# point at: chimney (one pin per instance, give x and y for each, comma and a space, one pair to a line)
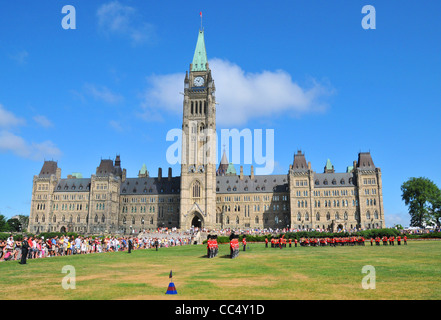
241, 173
159, 174
169, 173
309, 165
252, 172
124, 173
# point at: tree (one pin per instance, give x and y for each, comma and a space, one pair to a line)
14, 225
424, 200
3, 224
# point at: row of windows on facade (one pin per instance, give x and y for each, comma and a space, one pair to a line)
143, 209
336, 216
162, 190
151, 200
96, 219
334, 181
236, 208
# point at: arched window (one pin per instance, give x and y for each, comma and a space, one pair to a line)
103, 219
54, 219
345, 215
43, 219
368, 215
299, 216
237, 220
256, 220
78, 218
376, 214
96, 218
36, 218
317, 216
196, 189
328, 216
307, 216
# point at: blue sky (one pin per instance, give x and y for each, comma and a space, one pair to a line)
77, 96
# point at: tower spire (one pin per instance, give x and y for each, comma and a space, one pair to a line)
200, 54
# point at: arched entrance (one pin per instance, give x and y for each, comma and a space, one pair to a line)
63, 230
196, 222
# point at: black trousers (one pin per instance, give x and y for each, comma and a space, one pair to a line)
24, 255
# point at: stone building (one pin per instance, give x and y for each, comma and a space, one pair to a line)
203, 196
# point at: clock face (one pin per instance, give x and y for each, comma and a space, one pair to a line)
198, 81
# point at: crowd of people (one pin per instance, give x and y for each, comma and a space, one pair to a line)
39, 247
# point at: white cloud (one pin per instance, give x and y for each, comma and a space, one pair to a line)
103, 93
115, 18
10, 142
241, 96
43, 121
8, 119
20, 57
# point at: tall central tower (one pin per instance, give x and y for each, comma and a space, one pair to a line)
198, 167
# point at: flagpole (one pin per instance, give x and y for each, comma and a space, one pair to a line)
201, 19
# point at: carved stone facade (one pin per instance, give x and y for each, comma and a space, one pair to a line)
109, 202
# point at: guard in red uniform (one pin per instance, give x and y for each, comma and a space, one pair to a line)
244, 243
266, 242
405, 240
399, 240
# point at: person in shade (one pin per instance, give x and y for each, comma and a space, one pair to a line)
130, 245
24, 250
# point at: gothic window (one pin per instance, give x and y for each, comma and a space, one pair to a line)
96, 218
133, 220
328, 216
103, 218
317, 216
227, 220
191, 107
43, 219
368, 215
299, 217
36, 218
307, 216
54, 219
78, 218
376, 214
345, 216
196, 189
337, 216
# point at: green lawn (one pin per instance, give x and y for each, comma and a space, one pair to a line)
402, 272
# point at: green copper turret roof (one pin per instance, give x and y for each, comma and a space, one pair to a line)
328, 165
200, 54
231, 169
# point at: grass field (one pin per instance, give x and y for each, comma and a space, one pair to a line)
402, 272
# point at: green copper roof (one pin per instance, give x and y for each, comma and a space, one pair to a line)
328, 165
77, 175
231, 169
349, 169
143, 169
200, 54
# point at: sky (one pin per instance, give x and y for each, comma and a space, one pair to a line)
307, 70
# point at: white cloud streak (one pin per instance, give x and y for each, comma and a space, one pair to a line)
115, 18
242, 96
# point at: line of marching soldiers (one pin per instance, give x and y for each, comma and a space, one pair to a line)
282, 242
212, 246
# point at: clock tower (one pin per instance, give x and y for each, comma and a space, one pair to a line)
198, 157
